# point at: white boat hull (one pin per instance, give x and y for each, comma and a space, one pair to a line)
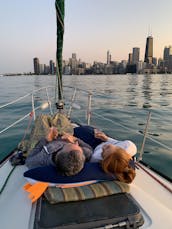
17, 212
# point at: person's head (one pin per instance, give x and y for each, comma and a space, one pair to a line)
116, 161
70, 160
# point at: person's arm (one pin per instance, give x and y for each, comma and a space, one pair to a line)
87, 149
33, 158
105, 138
100, 135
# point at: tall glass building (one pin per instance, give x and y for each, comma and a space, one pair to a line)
36, 66
149, 50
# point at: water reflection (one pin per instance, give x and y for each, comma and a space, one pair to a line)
164, 91
37, 82
147, 90
132, 91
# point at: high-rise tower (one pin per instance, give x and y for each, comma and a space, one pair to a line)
167, 57
149, 50
130, 58
136, 55
36, 66
167, 53
108, 57
52, 67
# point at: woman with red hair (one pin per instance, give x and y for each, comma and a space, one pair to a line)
118, 163
116, 157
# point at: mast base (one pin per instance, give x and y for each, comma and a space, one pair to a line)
60, 105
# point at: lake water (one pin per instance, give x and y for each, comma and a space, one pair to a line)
120, 106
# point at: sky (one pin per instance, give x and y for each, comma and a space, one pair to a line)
92, 27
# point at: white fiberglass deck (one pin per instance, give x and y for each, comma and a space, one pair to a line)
16, 210
154, 199
15, 207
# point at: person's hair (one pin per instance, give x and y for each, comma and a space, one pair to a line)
117, 164
70, 163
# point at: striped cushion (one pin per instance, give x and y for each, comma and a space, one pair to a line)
56, 195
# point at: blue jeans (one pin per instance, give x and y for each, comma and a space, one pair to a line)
86, 133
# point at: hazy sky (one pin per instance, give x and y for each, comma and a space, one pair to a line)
28, 30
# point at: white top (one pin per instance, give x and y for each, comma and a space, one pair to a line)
127, 145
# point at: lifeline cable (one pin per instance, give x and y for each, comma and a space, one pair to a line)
4, 185
161, 183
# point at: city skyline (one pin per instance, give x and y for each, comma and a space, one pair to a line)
75, 66
91, 28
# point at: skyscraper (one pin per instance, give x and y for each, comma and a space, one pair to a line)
167, 53
73, 63
36, 66
130, 58
108, 57
149, 50
136, 55
52, 67
167, 57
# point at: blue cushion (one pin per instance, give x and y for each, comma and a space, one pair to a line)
91, 171
86, 133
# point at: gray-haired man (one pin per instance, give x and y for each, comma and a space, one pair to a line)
66, 152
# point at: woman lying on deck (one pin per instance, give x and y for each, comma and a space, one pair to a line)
115, 156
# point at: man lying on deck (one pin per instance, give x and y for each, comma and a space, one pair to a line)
66, 152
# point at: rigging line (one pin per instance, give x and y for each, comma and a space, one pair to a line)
56, 89
114, 122
18, 121
59, 81
28, 126
150, 174
14, 101
20, 98
153, 140
58, 14
78, 89
14, 123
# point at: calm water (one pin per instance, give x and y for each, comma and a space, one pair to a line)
130, 98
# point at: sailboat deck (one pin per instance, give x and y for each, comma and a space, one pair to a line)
17, 211
153, 199
15, 207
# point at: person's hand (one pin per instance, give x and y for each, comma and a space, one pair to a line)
100, 135
52, 134
69, 138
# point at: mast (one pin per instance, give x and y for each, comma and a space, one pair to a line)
59, 4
